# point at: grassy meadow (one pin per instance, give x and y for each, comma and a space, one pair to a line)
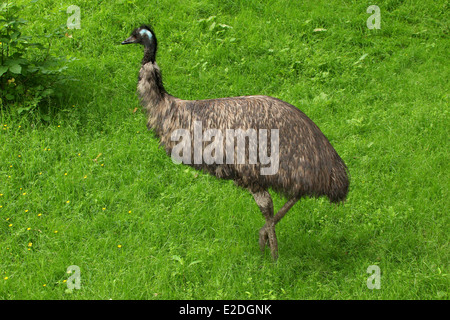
92, 188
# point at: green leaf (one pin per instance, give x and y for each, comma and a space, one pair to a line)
15, 35
21, 110
15, 61
16, 68
47, 92
3, 69
178, 258
195, 262
45, 117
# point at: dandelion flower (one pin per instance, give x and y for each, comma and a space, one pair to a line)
40, 214
30, 244
56, 231
10, 225
28, 229
119, 246
68, 201
5, 278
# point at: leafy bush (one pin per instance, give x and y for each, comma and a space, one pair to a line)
28, 72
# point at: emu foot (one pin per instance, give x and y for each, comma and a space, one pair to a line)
267, 236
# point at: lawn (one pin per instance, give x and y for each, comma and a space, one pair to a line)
91, 187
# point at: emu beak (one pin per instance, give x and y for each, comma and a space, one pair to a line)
129, 40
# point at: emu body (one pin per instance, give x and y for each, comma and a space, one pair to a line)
308, 164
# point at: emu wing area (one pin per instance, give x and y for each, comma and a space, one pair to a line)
308, 164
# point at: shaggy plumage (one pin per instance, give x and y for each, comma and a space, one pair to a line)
308, 164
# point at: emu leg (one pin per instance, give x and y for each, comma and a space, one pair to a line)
263, 238
287, 206
267, 232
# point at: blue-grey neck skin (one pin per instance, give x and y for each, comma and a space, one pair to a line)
146, 32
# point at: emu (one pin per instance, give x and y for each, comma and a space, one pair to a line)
308, 165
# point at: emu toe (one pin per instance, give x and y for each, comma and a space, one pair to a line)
267, 236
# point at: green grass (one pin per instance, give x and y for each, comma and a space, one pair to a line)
380, 96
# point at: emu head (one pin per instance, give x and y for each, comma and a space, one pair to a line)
145, 36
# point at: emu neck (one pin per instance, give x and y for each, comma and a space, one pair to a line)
150, 86
149, 54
